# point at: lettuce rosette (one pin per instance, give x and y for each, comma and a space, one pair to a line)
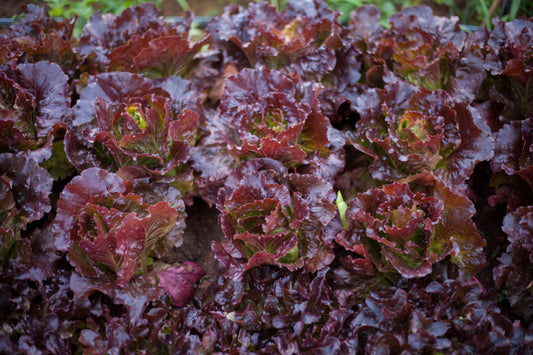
38, 37
34, 106
122, 120
139, 40
265, 114
300, 39
408, 130
407, 227
110, 232
272, 216
432, 52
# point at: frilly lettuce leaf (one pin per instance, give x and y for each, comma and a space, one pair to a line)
35, 105
104, 33
39, 37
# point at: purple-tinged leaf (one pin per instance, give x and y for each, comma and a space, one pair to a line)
291, 41
513, 272
157, 57
180, 281
122, 120
264, 113
514, 148
38, 37
103, 33
30, 185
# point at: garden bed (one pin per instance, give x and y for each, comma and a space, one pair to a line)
278, 182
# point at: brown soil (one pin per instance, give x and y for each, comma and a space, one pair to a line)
201, 230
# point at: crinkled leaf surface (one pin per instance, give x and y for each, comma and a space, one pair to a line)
39, 37
30, 185
156, 57
103, 33
273, 217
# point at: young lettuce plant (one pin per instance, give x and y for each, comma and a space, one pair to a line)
122, 120
139, 41
300, 39
34, 106
108, 231
38, 37
34, 112
408, 130
264, 113
407, 227
431, 52
122, 39
272, 216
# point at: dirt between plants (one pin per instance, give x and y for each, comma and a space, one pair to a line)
201, 230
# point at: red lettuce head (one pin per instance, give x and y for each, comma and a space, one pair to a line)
109, 231
407, 227
431, 52
300, 39
121, 114
270, 216
157, 54
267, 114
407, 130
111, 42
